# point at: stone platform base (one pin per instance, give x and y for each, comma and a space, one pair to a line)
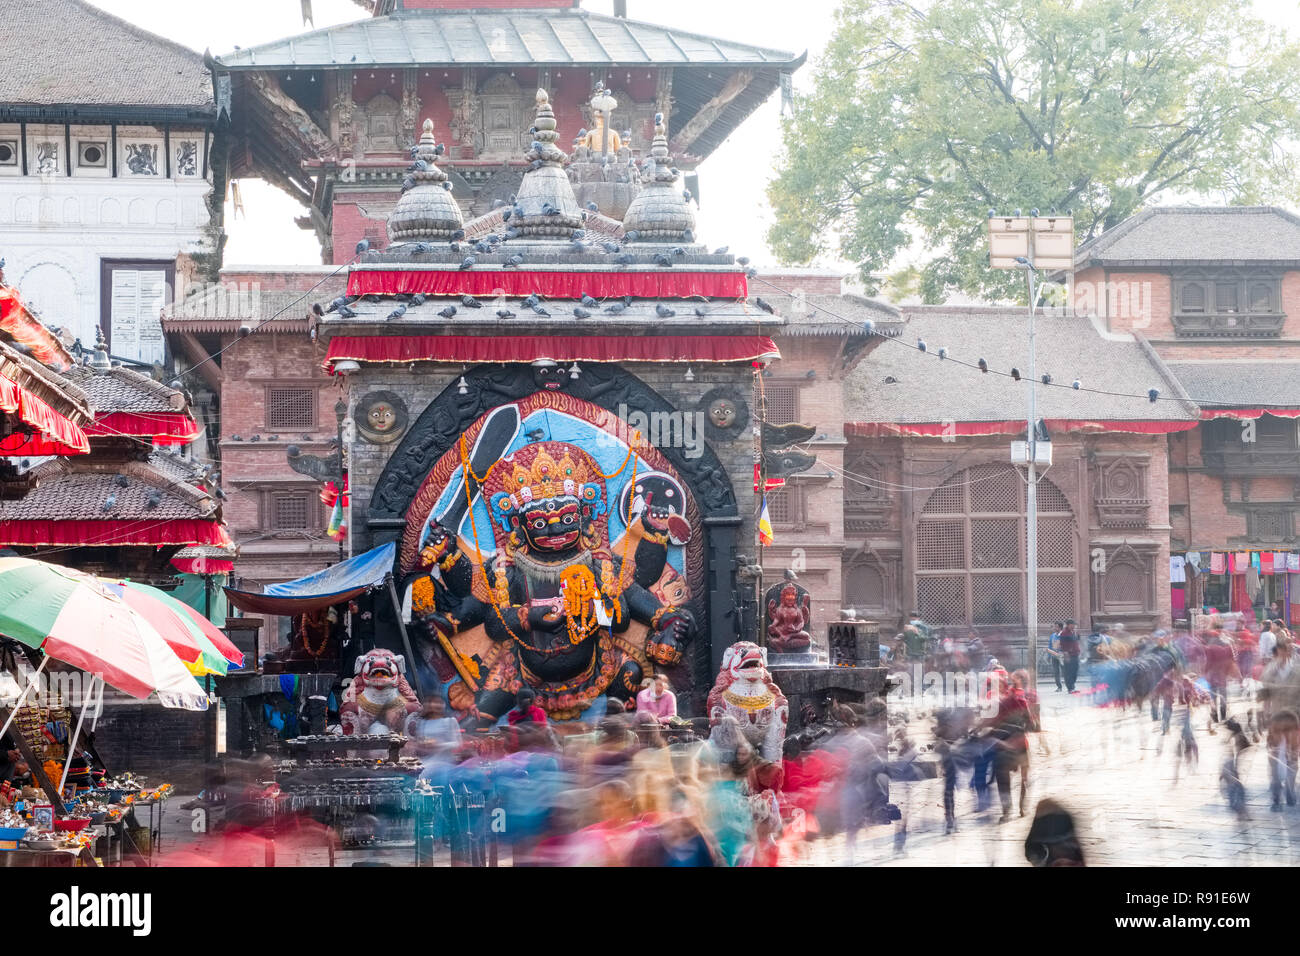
813, 685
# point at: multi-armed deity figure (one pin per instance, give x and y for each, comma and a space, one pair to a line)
558, 605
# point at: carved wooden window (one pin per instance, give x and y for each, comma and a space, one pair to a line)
1225, 297
290, 511
781, 506
864, 587
291, 408
1261, 297
782, 402
1123, 587
970, 550
1228, 303
1270, 524
1275, 433
1126, 582
1120, 493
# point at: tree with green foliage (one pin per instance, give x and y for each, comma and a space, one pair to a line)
924, 119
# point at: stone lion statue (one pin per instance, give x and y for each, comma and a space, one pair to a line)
745, 692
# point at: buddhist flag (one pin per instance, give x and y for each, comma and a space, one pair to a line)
337, 529
765, 535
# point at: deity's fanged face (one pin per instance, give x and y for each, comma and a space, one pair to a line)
551, 378
552, 524
788, 596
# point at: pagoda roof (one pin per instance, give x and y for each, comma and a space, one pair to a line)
101, 501
509, 38
1174, 236
71, 54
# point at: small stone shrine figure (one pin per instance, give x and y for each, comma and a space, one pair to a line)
789, 618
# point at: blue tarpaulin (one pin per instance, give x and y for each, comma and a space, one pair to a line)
342, 582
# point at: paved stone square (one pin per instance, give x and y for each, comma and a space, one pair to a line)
1120, 778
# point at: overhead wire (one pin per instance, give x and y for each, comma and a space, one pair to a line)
948, 357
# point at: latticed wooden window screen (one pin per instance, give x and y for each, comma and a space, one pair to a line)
995, 599
1055, 597
974, 525
291, 408
291, 512
941, 545
941, 600
782, 402
1124, 587
780, 506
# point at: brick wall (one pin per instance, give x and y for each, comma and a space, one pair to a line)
165, 745
1128, 301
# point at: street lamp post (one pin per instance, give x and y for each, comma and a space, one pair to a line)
1031, 489
340, 413
1030, 242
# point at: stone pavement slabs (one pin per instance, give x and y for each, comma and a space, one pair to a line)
1135, 802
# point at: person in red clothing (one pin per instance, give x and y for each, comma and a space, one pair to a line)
1220, 667
526, 711
1011, 727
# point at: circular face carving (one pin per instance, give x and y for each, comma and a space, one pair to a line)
726, 414
381, 417
722, 412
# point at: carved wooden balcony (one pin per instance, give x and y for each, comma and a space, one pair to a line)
1251, 462
1229, 325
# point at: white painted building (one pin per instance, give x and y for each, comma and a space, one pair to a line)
105, 171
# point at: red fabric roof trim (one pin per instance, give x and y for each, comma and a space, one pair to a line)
1208, 414
203, 565
664, 284
527, 348
1009, 427
104, 533
165, 428
23, 327
56, 434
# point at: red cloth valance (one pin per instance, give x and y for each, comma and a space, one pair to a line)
1010, 427
203, 565
102, 533
55, 434
663, 284
472, 349
23, 328
164, 428
1208, 414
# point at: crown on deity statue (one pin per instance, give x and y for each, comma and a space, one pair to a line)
535, 473
547, 478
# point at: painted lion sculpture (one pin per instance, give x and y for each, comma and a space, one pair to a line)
379, 693
745, 692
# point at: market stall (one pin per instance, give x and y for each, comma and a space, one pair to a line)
77, 635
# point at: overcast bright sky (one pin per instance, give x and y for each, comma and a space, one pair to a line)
732, 181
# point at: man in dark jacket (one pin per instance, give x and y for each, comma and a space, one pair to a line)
1068, 643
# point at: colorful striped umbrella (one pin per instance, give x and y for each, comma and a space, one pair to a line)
224, 645
74, 618
177, 628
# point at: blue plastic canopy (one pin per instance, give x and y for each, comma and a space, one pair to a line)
334, 585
